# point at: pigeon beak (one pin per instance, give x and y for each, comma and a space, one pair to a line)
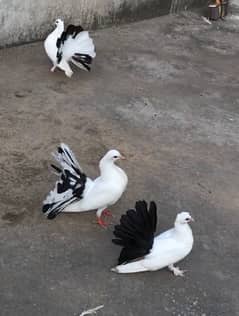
192, 219
122, 157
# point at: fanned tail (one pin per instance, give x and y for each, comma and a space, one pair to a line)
85, 53
77, 47
135, 233
85, 44
69, 187
66, 159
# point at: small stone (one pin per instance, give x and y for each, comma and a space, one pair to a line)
20, 94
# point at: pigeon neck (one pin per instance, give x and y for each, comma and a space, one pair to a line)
105, 166
182, 229
59, 29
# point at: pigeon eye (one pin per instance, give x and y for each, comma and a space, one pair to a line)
115, 157
187, 219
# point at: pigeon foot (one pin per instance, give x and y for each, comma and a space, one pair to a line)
101, 223
53, 68
107, 213
176, 271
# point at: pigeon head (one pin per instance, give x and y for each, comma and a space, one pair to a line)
112, 156
184, 218
59, 22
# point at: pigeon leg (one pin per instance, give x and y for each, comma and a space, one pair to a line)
176, 271
107, 213
101, 222
63, 65
53, 68
68, 73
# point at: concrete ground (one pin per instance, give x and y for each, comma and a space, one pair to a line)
164, 92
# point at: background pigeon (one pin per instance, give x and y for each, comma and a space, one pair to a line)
144, 252
75, 192
73, 45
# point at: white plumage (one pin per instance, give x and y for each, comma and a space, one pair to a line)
136, 231
73, 45
75, 192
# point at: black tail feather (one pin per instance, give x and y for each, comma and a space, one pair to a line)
83, 57
52, 215
153, 215
135, 233
85, 62
56, 168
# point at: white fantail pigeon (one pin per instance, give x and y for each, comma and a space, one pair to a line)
72, 45
75, 192
144, 252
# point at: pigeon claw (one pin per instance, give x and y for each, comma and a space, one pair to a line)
53, 68
176, 271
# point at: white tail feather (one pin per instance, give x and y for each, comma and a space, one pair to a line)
82, 44
63, 159
131, 267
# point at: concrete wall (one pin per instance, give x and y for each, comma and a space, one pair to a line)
28, 20
234, 6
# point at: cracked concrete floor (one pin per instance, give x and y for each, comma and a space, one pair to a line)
163, 91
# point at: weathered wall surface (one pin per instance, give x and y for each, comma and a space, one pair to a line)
27, 20
234, 6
